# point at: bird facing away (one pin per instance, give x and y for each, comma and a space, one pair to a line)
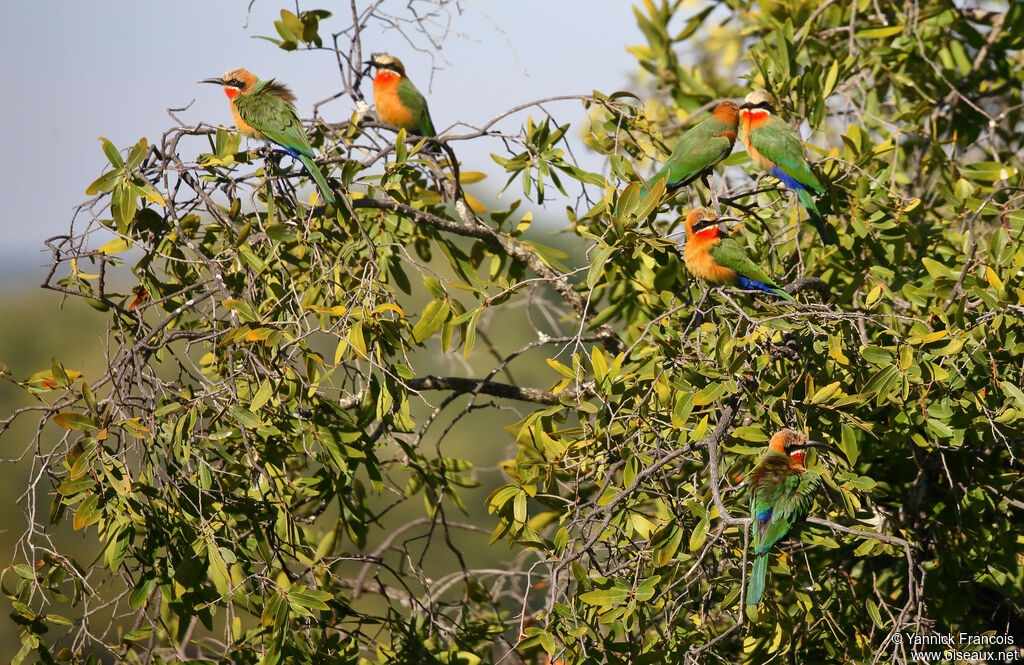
775, 147
397, 100
699, 150
718, 259
266, 109
780, 494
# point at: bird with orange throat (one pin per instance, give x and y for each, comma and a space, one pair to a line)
396, 99
781, 492
775, 147
265, 109
714, 257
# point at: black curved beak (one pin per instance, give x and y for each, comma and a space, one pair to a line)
218, 81
818, 444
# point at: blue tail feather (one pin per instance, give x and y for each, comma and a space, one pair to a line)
753, 284
805, 194
291, 151
788, 180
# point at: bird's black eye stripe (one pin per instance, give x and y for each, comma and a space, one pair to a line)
235, 83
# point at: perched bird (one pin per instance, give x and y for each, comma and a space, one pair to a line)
397, 100
775, 147
780, 494
698, 150
721, 260
266, 109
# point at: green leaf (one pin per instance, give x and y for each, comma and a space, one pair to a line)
104, 183
597, 265
137, 154
628, 199
873, 612
115, 246
830, 80
113, 156
880, 33
699, 535
989, 171
262, 395
244, 417
301, 598
218, 569
606, 597
826, 393
431, 320
137, 598
78, 421
89, 512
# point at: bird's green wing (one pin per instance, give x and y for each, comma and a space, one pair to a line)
689, 161
780, 143
413, 100
731, 254
791, 499
695, 152
275, 117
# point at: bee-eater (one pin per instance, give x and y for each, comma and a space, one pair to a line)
266, 109
718, 259
780, 494
698, 150
775, 147
397, 100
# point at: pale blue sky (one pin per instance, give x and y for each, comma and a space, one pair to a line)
75, 71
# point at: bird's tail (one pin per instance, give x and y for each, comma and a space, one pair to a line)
755, 585
825, 230
433, 148
747, 283
318, 177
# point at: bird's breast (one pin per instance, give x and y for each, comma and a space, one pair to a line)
389, 107
749, 121
698, 259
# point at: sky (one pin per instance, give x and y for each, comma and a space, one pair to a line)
75, 71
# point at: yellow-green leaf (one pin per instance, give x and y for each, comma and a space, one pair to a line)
115, 246
826, 393
77, 421
433, 317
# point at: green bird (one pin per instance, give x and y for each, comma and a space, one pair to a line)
721, 260
397, 100
698, 150
266, 110
781, 492
775, 147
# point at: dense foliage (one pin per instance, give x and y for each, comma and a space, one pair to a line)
274, 392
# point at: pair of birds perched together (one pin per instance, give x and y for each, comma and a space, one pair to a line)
265, 109
775, 147
780, 486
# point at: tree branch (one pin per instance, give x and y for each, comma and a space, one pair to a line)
458, 384
509, 246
